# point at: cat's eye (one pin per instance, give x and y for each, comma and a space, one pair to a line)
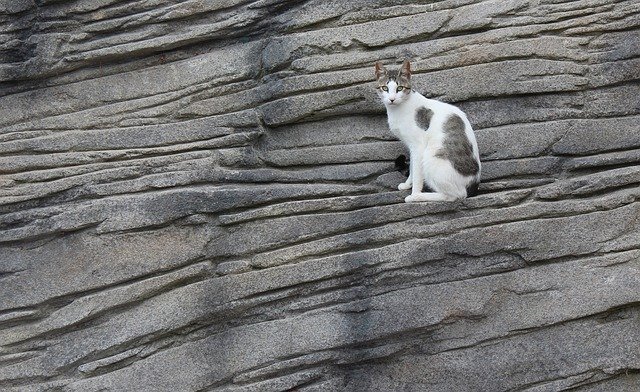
400, 88
384, 88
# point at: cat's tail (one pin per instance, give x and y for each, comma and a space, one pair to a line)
472, 189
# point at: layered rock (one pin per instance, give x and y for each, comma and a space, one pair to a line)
200, 196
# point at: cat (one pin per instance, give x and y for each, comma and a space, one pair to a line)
442, 146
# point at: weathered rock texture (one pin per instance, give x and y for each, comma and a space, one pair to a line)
199, 196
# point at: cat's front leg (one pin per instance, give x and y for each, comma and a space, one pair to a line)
416, 174
403, 186
401, 164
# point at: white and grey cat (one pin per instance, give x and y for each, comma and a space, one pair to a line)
442, 146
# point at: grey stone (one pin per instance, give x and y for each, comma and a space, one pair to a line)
202, 196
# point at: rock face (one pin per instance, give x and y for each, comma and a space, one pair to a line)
200, 196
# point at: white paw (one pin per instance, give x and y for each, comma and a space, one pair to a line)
404, 186
412, 199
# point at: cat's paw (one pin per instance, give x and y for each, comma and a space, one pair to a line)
412, 199
404, 186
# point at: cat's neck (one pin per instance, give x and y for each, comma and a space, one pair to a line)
414, 100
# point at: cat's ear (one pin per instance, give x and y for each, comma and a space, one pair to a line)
380, 70
405, 70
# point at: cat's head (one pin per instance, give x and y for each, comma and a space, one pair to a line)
394, 89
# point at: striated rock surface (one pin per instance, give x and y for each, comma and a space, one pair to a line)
200, 196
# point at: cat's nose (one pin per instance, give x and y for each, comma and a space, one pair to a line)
392, 99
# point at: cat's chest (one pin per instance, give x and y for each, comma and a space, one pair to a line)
405, 128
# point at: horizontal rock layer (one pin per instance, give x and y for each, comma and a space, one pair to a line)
200, 196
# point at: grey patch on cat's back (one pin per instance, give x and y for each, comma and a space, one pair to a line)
423, 117
457, 148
